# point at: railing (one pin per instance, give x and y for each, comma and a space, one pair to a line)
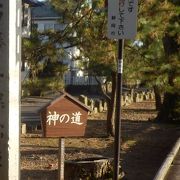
87, 80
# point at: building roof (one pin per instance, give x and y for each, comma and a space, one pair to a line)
62, 95
36, 104
33, 3
44, 11
31, 107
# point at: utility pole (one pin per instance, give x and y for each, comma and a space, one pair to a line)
10, 56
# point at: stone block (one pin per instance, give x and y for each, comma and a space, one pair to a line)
130, 99
151, 95
90, 168
83, 99
122, 101
98, 104
127, 99
23, 128
145, 97
95, 110
141, 97
136, 97
105, 106
91, 103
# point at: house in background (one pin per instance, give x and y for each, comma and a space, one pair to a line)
44, 17
26, 16
26, 29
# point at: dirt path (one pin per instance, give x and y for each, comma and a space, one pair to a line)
144, 145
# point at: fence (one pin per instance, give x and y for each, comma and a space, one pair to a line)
86, 80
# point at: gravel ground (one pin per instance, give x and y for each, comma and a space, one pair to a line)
144, 146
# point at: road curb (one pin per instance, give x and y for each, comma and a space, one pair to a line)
160, 175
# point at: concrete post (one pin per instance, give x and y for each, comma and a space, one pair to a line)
10, 53
23, 129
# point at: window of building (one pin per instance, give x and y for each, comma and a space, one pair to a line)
48, 26
57, 27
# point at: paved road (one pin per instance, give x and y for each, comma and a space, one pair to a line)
174, 171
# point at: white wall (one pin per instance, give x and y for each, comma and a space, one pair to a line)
74, 75
43, 24
26, 17
71, 53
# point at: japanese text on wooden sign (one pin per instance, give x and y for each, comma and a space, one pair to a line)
74, 118
122, 19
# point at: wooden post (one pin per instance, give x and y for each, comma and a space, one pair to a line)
61, 159
10, 55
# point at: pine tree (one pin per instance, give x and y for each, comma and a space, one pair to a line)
41, 58
160, 35
156, 63
97, 53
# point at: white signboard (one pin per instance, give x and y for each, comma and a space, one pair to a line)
122, 19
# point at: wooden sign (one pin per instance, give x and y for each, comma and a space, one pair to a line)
64, 117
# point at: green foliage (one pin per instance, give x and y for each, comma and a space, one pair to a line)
43, 59
160, 35
153, 25
53, 69
97, 53
38, 87
32, 87
156, 63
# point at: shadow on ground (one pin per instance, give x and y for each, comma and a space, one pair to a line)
39, 174
140, 159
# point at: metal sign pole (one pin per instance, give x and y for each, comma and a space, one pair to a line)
122, 17
61, 159
117, 142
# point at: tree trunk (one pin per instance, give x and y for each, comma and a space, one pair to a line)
90, 168
166, 112
171, 99
23, 64
158, 102
111, 108
110, 104
110, 128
